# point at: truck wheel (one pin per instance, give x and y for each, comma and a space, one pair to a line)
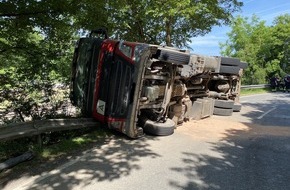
228, 104
243, 65
158, 128
230, 69
230, 61
173, 56
222, 111
237, 107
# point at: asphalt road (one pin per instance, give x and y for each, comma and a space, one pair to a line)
271, 109
250, 150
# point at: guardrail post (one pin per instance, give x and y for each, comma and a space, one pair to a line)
39, 141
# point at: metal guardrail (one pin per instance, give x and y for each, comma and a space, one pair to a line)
33, 128
256, 86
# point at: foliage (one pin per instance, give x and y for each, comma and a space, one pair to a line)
37, 37
35, 53
265, 48
169, 22
53, 144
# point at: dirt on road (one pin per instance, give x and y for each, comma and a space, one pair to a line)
220, 127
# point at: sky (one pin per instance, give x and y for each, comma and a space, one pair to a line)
265, 9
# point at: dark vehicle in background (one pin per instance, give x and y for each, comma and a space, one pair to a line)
135, 87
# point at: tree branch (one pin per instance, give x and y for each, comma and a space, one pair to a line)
14, 14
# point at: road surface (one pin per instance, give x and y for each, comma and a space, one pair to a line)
249, 150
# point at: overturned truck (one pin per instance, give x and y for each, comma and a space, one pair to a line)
135, 87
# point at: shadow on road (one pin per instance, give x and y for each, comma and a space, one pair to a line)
253, 157
249, 157
108, 160
244, 159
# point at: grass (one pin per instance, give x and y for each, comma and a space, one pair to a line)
54, 144
246, 92
56, 147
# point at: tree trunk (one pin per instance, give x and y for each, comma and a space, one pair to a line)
140, 31
168, 32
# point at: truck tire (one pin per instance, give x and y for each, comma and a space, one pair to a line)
237, 107
243, 65
158, 128
230, 61
227, 104
173, 56
229, 69
222, 111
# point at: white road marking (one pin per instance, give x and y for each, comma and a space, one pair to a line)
261, 116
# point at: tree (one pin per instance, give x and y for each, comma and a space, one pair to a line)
35, 51
37, 36
281, 39
55, 24
38, 31
263, 47
169, 21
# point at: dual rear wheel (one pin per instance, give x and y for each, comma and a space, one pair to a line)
226, 107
